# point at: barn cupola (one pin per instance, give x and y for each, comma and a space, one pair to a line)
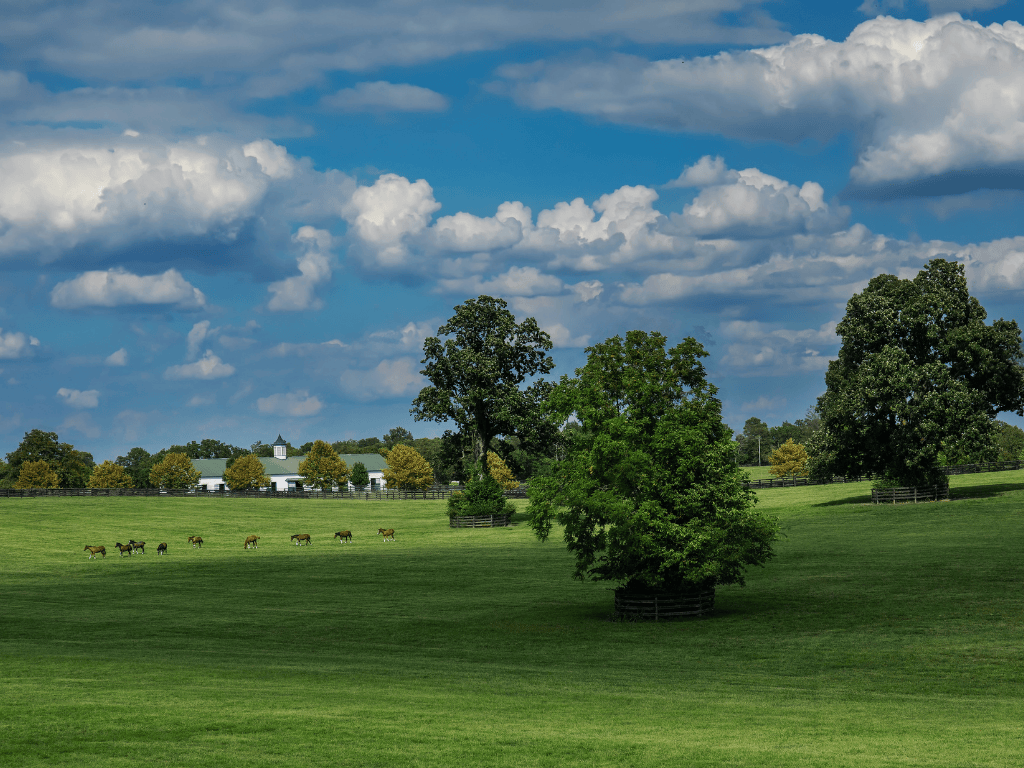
280, 448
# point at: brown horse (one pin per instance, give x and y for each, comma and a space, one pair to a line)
161, 548
386, 533
251, 541
196, 541
298, 538
124, 548
344, 536
137, 546
93, 551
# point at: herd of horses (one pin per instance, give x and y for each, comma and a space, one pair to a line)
251, 542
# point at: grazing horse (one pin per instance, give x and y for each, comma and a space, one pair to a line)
124, 548
386, 533
344, 536
302, 537
251, 541
196, 541
161, 548
93, 551
137, 546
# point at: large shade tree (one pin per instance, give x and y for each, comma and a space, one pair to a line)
919, 373
649, 493
478, 374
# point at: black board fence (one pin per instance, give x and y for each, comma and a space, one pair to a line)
437, 492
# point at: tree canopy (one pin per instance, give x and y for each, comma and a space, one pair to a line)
789, 460
72, 467
407, 470
175, 470
110, 475
477, 373
360, 478
649, 493
323, 468
245, 473
37, 474
919, 373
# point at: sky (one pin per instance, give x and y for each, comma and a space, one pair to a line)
241, 219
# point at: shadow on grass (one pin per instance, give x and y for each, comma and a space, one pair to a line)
858, 499
987, 491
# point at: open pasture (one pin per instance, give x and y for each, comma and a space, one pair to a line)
879, 636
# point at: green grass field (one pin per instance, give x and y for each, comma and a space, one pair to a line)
879, 636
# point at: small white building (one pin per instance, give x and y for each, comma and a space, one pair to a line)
284, 471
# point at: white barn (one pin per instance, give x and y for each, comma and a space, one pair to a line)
284, 471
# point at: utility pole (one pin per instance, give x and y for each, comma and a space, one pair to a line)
759, 450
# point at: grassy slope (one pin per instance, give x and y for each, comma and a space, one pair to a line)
878, 636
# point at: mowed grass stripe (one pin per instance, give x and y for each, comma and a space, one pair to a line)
878, 636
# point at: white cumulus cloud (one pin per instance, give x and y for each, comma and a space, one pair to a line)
297, 292
90, 398
208, 367
933, 102
117, 287
390, 378
16, 344
118, 358
388, 212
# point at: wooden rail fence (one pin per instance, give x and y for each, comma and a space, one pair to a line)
478, 521
663, 605
913, 494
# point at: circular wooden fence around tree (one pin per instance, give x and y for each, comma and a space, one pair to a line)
478, 521
658, 606
911, 494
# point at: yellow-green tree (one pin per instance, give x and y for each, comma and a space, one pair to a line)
246, 472
109, 475
407, 470
175, 471
788, 460
323, 468
37, 474
498, 469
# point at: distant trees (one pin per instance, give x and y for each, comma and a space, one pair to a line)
323, 468
750, 451
138, 464
37, 474
246, 472
407, 470
110, 475
1009, 442
72, 467
919, 373
175, 470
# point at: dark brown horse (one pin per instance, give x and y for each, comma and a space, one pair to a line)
137, 546
298, 538
344, 536
161, 548
124, 548
196, 541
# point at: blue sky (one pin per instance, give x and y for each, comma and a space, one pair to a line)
242, 219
